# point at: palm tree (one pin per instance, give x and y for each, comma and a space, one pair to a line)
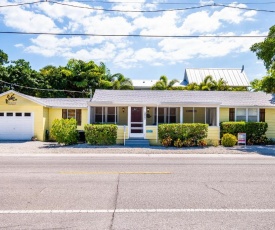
162, 83
122, 83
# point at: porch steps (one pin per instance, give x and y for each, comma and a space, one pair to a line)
135, 142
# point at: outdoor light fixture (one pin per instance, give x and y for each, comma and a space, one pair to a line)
148, 110
123, 109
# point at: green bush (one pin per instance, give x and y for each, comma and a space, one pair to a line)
229, 140
255, 131
105, 134
188, 133
178, 143
64, 131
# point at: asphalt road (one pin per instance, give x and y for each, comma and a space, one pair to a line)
138, 192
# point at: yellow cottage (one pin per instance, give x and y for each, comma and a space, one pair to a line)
136, 112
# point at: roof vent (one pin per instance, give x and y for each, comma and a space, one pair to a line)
242, 68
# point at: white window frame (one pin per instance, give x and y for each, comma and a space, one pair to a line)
246, 113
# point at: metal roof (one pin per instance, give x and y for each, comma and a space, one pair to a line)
143, 84
233, 77
183, 97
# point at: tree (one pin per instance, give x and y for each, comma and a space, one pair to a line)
163, 84
266, 50
122, 83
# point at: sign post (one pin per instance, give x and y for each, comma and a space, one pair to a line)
242, 138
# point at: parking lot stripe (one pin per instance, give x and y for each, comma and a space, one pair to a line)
102, 173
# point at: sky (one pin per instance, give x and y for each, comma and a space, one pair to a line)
144, 56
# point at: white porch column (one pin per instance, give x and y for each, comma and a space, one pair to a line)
89, 115
218, 116
181, 114
129, 121
144, 121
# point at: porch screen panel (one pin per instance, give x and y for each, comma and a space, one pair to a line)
92, 115
99, 115
188, 114
171, 115
161, 115
199, 115
111, 115
211, 116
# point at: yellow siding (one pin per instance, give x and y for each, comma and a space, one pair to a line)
120, 134
123, 116
151, 132
24, 105
224, 114
270, 119
55, 113
213, 133
45, 121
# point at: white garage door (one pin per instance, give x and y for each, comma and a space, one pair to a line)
16, 125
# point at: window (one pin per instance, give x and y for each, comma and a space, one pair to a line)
200, 115
27, 114
240, 114
172, 115
9, 114
253, 115
2, 114
105, 115
18, 114
72, 113
247, 114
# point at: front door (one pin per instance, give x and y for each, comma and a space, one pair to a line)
136, 122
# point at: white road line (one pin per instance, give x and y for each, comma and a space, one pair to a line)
135, 211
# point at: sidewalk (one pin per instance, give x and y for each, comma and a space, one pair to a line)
37, 147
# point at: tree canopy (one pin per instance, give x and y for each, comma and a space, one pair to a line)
266, 51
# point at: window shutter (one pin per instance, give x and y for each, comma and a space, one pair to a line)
64, 113
262, 115
78, 116
231, 114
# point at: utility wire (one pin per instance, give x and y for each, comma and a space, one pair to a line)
55, 90
134, 35
144, 11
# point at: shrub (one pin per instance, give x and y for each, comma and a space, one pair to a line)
255, 131
229, 140
167, 141
202, 143
178, 143
189, 133
64, 131
105, 134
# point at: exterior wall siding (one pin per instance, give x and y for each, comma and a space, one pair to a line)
213, 133
224, 114
120, 134
270, 119
56, 113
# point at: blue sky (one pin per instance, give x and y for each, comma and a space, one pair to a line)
137, 57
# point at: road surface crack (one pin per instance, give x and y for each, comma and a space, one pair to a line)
115, 203
207, 186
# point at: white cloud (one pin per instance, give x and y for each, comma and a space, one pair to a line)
27, 21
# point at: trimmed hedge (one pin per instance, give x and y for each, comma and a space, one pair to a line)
105, 134
255, 131
64, 131
187, 134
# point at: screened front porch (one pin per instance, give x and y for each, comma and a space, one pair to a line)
142, 121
